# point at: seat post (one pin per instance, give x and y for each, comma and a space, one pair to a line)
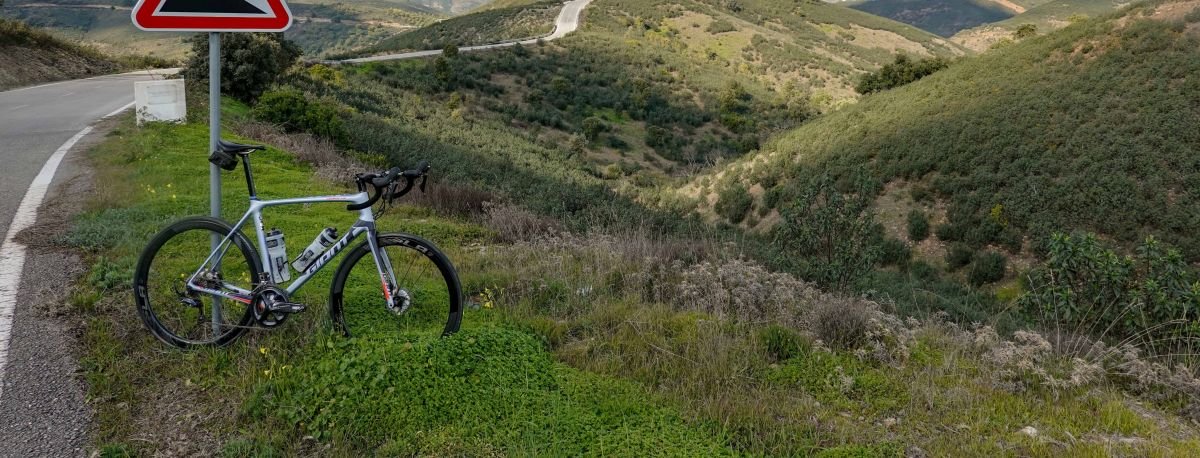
249, 176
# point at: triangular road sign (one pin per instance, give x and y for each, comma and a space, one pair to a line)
212, 15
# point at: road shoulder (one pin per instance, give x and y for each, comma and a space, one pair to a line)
44, 410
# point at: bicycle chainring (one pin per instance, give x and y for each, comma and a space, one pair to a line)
262, 300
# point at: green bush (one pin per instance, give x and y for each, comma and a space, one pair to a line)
1085, 284
720, 26
894, 252
918, 226
733, 203
958, 256
987, 268
250, 62
903, 71
828, 236
292, 110
782, 343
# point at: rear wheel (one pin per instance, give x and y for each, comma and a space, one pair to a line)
182, 317
427, 291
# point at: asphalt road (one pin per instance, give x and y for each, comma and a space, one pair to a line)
42, 408
567, 22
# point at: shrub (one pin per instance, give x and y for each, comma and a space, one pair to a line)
781, 343
593, 127
918, 226
294, 112
959, 255
720, 26
733, 203
828, 236
250, 62
841, 324
987, 268
1025, 31
903, 71
894, 252
1086, 284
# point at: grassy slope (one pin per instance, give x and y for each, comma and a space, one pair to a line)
489, 25
609, 374
788, 60
1087, 128
29, 56
1048, 17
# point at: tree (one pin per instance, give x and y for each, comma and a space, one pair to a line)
1025, 31
828, 236
450, 51
593, 127
250, 62
442, 71
898, 73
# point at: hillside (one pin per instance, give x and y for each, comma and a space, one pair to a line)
29, 56
1046, 17
1088, 128
321, 27
598, 343
518, 20
718, 82
943, 17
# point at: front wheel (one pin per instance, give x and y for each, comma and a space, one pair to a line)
427, 293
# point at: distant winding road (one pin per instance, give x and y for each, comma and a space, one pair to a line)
567, 22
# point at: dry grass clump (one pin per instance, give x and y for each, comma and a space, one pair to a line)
329, 162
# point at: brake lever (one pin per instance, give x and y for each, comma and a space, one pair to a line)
424, 178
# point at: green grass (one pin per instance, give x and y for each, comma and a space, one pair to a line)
567, 354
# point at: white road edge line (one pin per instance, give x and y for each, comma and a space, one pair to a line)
12, 254
119, 110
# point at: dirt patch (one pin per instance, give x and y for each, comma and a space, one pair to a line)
891, 210
23, 66
1015, 8
1174, 11
883, 39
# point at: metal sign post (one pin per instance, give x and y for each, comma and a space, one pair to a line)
213, 17
214, 136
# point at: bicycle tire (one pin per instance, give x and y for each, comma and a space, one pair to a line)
412, 245
144, 292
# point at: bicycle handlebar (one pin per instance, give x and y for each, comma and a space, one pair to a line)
381, 181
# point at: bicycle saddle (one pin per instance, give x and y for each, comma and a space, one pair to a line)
237, 148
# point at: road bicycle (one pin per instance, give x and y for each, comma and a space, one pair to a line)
191, 299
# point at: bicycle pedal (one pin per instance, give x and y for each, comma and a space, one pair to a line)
288, 307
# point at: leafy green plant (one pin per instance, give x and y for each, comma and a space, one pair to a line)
918, 226
250, 62
987, 268
1085, 284
829, 236
733, 203
295, 112
959, 256
903, 71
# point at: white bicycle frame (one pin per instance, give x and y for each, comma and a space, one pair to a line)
365, 224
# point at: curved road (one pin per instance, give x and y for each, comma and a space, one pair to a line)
567, 22
42, 128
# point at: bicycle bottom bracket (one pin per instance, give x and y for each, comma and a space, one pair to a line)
265, 301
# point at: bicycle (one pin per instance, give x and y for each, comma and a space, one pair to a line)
245, 292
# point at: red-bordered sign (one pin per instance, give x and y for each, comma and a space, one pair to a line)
212, 15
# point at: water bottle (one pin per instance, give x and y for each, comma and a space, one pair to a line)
324, 240
277, 254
